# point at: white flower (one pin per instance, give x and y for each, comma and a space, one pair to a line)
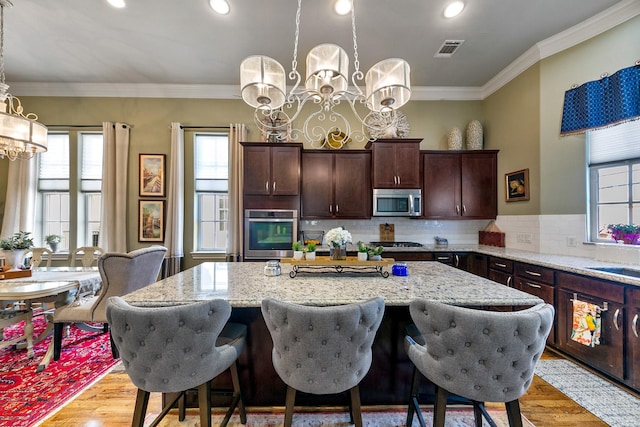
337, 236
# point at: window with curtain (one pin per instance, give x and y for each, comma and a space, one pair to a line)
614, 178
211, 204
69, 188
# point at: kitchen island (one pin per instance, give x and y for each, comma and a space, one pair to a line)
245, 286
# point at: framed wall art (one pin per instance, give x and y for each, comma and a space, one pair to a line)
151, 221
152, 167
517, 186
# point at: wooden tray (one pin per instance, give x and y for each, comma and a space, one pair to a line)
326, 261
324, 264
15, 274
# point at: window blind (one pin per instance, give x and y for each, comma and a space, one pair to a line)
91, 168
54, 164
614, 144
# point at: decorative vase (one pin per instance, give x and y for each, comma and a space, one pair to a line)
474, 135
310, 256
337, 252
454, 139
54, 247
297, 255
14, 258
375, 257
362, 256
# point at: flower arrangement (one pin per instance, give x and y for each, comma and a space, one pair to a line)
628, 233
19, 241
337, 237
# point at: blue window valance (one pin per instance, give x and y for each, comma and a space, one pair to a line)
597, 104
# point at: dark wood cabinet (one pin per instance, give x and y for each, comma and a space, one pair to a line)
271, 169
608, 356
538, 281
632, 324
501, 270
396, 163
336, 184
460, 185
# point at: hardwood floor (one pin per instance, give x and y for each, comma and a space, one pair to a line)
109, 403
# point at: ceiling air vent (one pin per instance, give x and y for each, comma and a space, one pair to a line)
448, 48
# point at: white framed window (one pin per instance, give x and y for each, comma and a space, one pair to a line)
211, 204
69, 188
614, 178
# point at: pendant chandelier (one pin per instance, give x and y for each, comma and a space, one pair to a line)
21, 136
263, 86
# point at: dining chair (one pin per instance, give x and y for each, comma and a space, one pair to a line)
121, 273
322, 350
481, 356
177, 348
36, 256
87, 254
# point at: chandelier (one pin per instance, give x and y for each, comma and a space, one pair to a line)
326, 86
21, 136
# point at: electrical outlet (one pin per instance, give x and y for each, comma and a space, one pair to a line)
572, 242
524, 238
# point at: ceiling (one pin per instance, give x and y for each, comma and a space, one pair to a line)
160, 42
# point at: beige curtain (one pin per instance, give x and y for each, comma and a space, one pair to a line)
113, 218
237, 133
174, 220
20, 201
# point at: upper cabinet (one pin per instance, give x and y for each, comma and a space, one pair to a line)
336, 184
271, 169
395, 163
460, 184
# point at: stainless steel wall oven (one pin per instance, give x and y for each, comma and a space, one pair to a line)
269, 233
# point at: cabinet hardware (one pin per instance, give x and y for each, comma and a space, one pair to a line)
398, 179
464, 209
274, 186
533, 273
457, 260
330, 208
337, 209
533, 285
266, 186
634, 325
509, 281
615, 319
442, 258
501, 265
457, 209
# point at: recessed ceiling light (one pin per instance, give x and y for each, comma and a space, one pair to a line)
220, 6
342, 7
117, 3
453, 9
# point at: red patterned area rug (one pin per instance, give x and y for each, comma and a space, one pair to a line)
454, 418
27, 397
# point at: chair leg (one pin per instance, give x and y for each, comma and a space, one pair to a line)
356, 411
237, 393
440, 407
513, 413
290, 402
204, 404
477, 414
115, 353
142, 400
57, 340
414, 405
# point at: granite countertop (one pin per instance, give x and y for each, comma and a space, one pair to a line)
244, 284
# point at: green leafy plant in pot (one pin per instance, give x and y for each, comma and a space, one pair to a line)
14, 248
53, 240
627, 233
375, 253
297, 250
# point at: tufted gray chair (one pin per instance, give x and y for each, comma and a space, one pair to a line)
322, 350
483, 356
121, 273
177, 348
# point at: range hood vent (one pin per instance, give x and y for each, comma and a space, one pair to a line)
448, 48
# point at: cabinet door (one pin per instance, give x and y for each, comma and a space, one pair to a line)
407, 165
317, 185
285, 171
608, 356
441, 186
396, 164
633, 337
352, 180
257, 164
384, 167
479, 185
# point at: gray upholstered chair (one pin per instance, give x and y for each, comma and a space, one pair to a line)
36, 257
87, 254
482, 356
175, 349
322, 350
121, 273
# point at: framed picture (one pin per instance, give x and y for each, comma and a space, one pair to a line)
151, 221
517, 186
152, 175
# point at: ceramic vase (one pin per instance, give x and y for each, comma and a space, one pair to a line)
297, 255
474, 135
362, 256
454, 139
310, 256
337, 253
15, 258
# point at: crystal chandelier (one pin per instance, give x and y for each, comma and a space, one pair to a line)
21, 136
263, 86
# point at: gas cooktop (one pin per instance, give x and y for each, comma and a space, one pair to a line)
397, 244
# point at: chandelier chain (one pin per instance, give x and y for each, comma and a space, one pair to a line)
356, 61
294, 62
1, 43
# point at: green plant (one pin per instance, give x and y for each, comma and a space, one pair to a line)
20, 240
53, 239
296, 246
362, 247
375, 251
624, 228
311, 247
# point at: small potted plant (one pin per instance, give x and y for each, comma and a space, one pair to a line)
53, 240
297, 250
627, 233
310, 251
375, 254
362, 251
14, 248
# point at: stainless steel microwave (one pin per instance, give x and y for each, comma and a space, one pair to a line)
400, 202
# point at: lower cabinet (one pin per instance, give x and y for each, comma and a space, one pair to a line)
501, 270
632, 323
538, 281
608, 356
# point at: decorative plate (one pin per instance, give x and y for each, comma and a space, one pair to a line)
400, 130
336, 139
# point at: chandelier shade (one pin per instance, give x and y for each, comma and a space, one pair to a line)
263, 82
387, 85
327, 69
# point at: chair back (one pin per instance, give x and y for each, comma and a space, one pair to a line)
88, 255
123, 273
37, 257
486, 356
171, 349
322, 350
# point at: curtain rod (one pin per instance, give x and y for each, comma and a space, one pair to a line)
74, 126
605, 74
204, 127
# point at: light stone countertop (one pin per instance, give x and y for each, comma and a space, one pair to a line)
244, 284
